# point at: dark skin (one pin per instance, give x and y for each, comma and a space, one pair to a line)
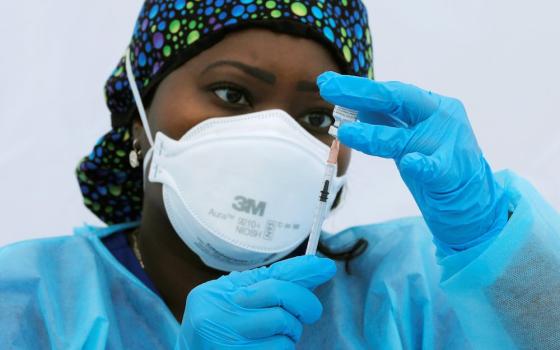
248, 71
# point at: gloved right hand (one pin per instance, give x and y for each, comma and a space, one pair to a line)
262, 308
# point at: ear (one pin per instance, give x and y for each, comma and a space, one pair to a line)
138, 133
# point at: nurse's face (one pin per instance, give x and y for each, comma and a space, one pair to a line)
248, 71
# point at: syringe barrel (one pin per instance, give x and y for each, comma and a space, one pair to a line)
320, 212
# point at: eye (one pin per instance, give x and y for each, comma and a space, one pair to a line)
317, 121
232, 95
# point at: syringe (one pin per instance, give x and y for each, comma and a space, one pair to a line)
321, 211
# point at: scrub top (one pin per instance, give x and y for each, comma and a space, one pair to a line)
72, 292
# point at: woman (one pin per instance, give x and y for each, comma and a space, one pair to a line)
190, 195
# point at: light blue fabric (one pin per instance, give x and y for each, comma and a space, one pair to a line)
70, 293
431, 140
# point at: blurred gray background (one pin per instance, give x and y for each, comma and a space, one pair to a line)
501, 58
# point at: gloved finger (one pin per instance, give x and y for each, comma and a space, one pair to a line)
375, 140
278, 342
297, 300
418, 167
307, 271
403, 102
264, 323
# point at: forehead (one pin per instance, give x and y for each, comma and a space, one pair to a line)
275, 51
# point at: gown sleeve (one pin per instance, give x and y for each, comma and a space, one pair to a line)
506, 292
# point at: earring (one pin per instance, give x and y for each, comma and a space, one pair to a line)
135, 156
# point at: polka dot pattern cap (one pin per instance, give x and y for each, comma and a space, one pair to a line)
167, 34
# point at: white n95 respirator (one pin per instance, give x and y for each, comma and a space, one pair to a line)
240, 191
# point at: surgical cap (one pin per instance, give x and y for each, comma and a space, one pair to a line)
170, 32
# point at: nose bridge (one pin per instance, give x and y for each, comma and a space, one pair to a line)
282, 96
283, 104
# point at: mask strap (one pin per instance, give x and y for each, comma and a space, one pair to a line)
137, 98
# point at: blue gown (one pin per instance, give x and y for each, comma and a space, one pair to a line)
403, 293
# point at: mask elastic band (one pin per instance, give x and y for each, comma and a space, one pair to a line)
137, 98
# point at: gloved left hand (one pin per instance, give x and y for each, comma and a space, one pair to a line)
430, 138
263, 308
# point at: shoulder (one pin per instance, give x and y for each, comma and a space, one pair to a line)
82, 248
46, 256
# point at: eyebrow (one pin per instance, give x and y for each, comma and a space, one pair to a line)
258, 73
306, 86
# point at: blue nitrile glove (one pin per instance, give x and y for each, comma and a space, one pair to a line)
262, 308
431, 140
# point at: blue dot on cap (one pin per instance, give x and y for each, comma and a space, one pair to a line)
142, 59
209, 11
337, 11
328, 33
179, 4
317, 12
238, 10
154, 11
219, 3
359, 32
246, 1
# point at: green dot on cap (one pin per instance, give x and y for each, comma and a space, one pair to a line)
167, 51
276, 13
347, 53
193, 36
118, 72
299, 9
270, 4
115, 190
175, 26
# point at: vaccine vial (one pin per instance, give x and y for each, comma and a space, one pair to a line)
342, 115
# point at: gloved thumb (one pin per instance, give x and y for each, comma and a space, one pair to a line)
308, 271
